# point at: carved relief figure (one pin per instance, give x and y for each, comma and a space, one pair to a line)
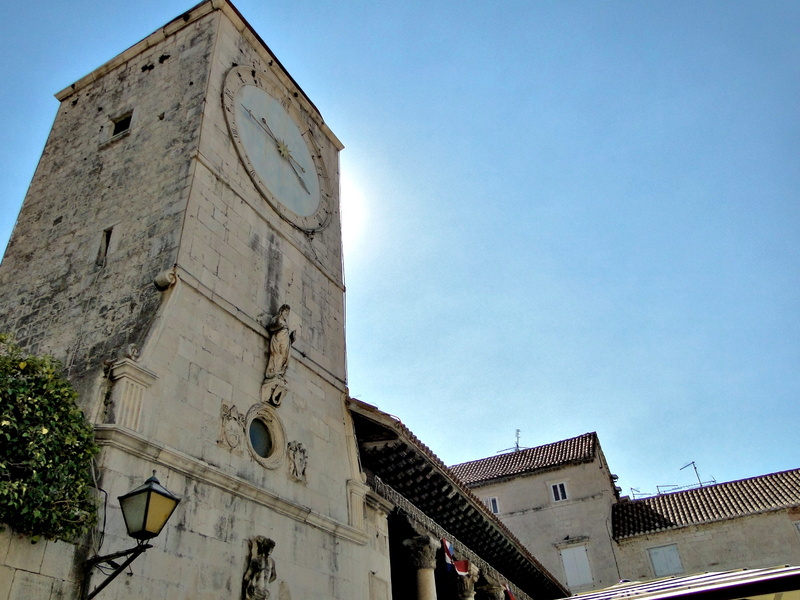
233, 424
260, 570
280, 343
298, 459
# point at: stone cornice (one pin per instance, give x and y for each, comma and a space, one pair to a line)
137, 445
129, 369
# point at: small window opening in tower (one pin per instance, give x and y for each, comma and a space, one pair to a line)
105, 242
122, 124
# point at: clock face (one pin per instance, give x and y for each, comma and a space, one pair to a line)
279, 157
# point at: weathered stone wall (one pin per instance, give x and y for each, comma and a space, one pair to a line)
265, 261
103, 214
757, 541
528, 510
40, 570
179, 197
202, 553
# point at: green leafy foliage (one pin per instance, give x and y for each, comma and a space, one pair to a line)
46, 447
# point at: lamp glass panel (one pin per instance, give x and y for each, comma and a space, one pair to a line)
160, 509
133, 509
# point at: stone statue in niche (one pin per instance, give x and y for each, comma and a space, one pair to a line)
260, 570
298, 459
280, 343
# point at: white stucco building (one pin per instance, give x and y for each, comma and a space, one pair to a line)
561, 500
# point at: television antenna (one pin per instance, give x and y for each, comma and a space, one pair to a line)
692, 464
516, 447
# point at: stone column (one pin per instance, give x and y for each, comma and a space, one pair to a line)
466, 583
423, 556
493, 588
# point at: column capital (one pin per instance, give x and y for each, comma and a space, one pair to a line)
422, 550
492, 588
465, 584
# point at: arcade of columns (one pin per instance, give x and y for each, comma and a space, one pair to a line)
422, 550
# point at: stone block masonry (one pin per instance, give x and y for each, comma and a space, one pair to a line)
104, 212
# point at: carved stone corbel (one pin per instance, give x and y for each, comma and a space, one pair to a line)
165, 279
274, 391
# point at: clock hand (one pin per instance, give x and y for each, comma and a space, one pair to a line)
297, 164
261, 123
299, 178
283, 149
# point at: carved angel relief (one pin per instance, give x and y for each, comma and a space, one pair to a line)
298, 459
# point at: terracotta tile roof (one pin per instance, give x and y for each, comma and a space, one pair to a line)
388, 450
703, 505
574, 450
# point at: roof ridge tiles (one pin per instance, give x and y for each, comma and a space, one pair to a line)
582, 448
774, 491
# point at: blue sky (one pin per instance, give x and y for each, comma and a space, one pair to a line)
561, 216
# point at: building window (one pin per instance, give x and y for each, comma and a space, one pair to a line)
266, 436
105, 244
260, 438
492, 504
576, 566
559, 491
666, 560
122, 124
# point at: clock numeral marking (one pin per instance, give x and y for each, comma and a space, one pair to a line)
229, 94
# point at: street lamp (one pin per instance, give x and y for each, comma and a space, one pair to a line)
146, 510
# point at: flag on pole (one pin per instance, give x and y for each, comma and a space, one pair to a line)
509, 595
461, 566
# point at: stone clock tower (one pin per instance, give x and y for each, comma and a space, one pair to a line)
180, 250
